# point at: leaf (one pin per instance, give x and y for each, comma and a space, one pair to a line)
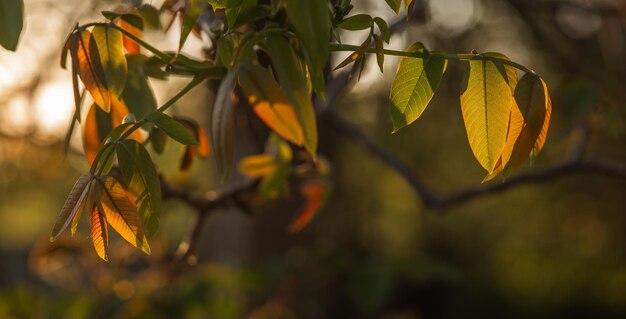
87, 64
192, 11
384, 29
93, 192
100, 232
357, 55
234, 9
218, 4
110, 46
291, 76
541, 139
72, 205
486, 106
380, 54
314, 192
158, 140
11, 23
138, 94
414, 85
356, 22
98, 125
394, 5
222, 122
203, 145
257, 165
121, 213
142, 179
170, 126
249, 13
270, 103
130, 45
225, 50
312, 24
527, 121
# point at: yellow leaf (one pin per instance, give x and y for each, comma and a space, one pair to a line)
100, 233
110, 47
87, 64
72, 205
257, 165
121, 214
541, 139
270, 103
486, 107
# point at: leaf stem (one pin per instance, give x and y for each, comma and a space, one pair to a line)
336, 47
195, 81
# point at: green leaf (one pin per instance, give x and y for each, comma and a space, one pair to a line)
250, 14
225, 50
130, 18
218, 4
138, 94
270, 103
356, 22
394, 5
11, 23
384, 29
234, 9
291, 76
486, 106
143, 181
380, 53
414, 85
73, 204
110, 47
312, 23
222, 128
170, 126
193, 9
158, 140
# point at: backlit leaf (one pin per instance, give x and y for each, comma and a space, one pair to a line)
414, 85
541, 139
138, 94
270, 103
11, 23
291, 76
312, 23
170, 126
89, 68
121, 213
100, 232
486, 106
314, 192
130, 45
72, 205
356, 22
110, 47
142, 179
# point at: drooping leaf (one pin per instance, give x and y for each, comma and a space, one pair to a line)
225, 50
235, 9
258, 165
414, 85
110, 47
192, 11
158, 140
384, 29
218, 4
202, 149
394, 5
356, 22
130, 45
72, 205
100, 232
93, 192
312, 23
222, 122
141, 177
486, 106
314, 192
11, 23
357, 55
270, 103
173, 129
541, 139
121, 213
291, 76
87, 63
380, 54
138, 94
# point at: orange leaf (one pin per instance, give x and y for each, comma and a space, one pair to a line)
130, 45
88, 67
121, 214
99, 233
314, 192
